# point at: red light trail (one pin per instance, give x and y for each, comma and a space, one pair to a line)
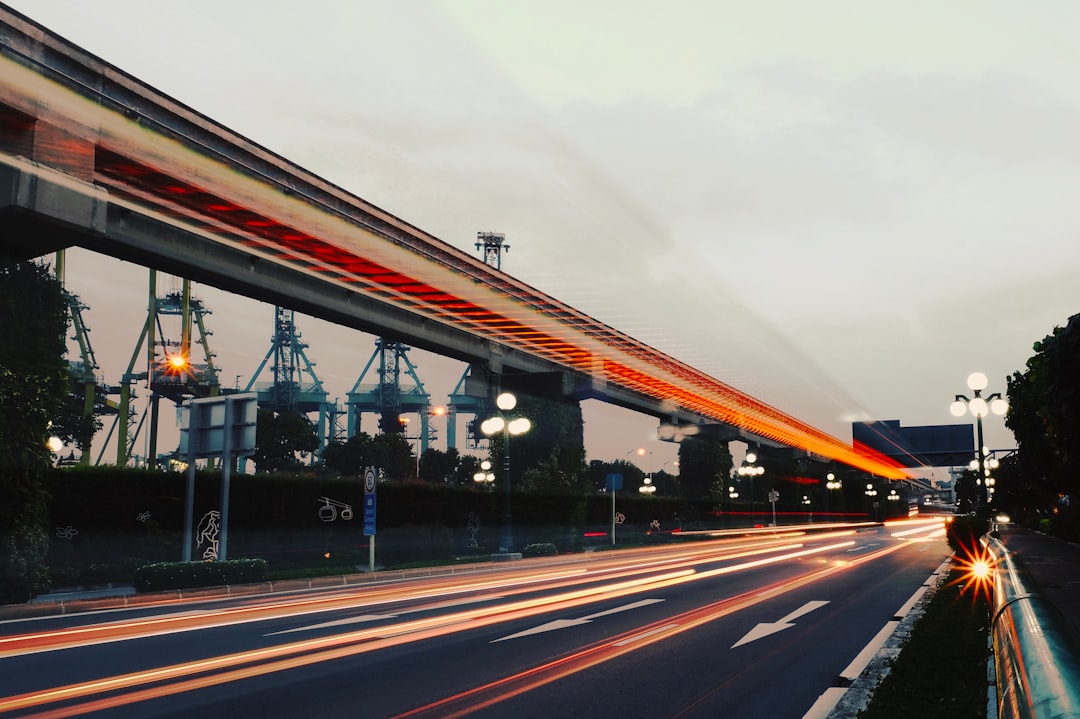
73, 137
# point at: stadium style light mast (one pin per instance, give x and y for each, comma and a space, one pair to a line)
980, 407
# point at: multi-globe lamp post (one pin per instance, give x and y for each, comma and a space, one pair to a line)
509, 427
750, 470
980, 407
831, 485
485, 476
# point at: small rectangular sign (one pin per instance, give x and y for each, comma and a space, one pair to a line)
614, 482
369, 514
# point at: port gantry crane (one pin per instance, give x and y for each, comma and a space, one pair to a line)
170, 372
295, 386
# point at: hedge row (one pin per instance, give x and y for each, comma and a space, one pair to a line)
189, 575
540, 549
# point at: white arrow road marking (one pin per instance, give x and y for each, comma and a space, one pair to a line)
563, 623
765, 629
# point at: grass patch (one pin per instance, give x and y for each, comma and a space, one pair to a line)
941, 669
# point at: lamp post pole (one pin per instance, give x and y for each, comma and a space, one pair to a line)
508, 527
979, 407
831, 483
750, 470
506, 402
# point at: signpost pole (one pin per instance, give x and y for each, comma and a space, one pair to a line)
189, 498
370, 477
225, 434
226, 472
613, 484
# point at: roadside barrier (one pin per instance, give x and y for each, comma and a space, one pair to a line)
1036, 656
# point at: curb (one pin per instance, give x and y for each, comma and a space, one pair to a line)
124, 598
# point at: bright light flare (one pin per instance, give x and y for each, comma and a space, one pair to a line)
978, 568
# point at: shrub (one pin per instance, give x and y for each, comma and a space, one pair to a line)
540, 549
188, 575
963, 532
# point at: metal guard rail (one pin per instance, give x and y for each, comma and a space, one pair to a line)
1036, 657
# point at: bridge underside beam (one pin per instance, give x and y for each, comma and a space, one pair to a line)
39, 217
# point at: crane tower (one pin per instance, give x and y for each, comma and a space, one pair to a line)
387, 396
295, 386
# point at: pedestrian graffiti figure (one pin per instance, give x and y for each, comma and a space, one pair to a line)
471, 528
209, 529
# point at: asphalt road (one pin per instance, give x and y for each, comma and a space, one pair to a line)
756, 627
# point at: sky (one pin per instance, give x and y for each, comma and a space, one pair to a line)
841, 208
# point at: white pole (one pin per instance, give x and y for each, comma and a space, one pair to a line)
613, 517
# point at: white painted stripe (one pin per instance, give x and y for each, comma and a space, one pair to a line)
825, 703
859, 663
625, 607
636, 637
910, 604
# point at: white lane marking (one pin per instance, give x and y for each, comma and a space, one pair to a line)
910, 604
825, 703
853, 670
376, 617
563, 623
766, 628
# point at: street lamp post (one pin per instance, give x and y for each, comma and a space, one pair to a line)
485, 475
751, 470
980, 407
872, 493
831, 484
519, 425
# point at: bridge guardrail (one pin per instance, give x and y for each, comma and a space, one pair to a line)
1036, 656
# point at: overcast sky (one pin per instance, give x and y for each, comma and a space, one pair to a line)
842, 208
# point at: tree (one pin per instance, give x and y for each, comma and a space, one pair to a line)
632, 475
348, 458
393, 454
1044, 417
34, 388
467, 467
437, 466
551, 453
279, 438
704, 464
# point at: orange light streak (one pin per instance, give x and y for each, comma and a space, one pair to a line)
347, 242
520, 581
307, 652
488, 695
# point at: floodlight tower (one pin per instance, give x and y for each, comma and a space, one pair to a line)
493, 244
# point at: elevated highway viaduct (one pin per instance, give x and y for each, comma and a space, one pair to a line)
92, 157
